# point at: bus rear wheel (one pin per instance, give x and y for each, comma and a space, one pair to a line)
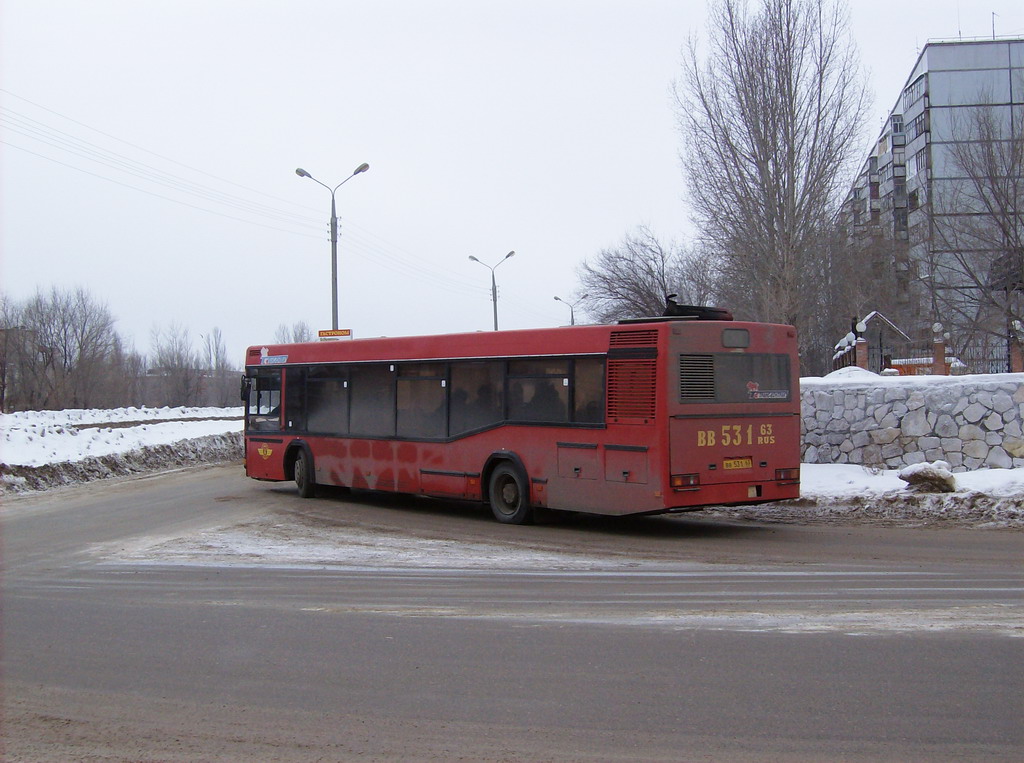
509, 497
303, 473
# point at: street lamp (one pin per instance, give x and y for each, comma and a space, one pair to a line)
572, 307
494, 284
334, 235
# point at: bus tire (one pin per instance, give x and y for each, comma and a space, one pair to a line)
509, 495
303, 472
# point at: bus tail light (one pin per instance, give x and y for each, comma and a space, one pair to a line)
787, 475
685, 481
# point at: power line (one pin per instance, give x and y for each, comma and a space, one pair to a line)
153, 153
150, 193
28, 127
375, 249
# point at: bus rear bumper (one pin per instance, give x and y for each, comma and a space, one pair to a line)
733, 494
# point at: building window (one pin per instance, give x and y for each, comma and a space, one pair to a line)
914, 93
921, 160
899, 191
919, 126
900, 220
897, 123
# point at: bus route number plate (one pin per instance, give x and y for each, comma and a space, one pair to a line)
737, 463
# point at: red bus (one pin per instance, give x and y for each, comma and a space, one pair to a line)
641, 417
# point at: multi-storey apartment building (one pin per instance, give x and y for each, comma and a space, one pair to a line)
937, 207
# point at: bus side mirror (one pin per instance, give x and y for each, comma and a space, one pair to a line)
246, 386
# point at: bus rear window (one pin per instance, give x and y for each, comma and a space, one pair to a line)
734, 378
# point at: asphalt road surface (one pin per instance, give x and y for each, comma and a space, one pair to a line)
199, 616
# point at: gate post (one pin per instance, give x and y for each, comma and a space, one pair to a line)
862, 353
1016, 357
939, 357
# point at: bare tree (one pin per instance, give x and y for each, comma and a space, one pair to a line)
976, 262
72, 345
175, 359
632, 279
59, 349
298, 332
770, 119
219, 369
127, 377
13, 346
843, 290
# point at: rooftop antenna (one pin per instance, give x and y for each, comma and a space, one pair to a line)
994, 14
959, 28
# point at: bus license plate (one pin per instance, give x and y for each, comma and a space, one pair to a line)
738, 463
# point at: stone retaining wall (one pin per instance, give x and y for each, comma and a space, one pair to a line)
856, 417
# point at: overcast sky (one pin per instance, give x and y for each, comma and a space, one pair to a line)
149, 150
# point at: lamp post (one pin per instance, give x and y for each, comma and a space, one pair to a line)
572, 307
334, 235
494, 283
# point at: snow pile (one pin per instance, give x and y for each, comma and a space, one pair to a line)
44, 449
929, 478
987, 498
847, 374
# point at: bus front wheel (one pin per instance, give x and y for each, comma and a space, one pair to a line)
509, 496
304, 480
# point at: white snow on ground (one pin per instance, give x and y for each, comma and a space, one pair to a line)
272, 542
845, 481
37, 438
854, 376
78, 445
79, 416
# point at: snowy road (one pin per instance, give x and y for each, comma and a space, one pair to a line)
201, 615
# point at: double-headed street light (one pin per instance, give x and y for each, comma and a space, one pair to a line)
494, 284
572, 307
334, 235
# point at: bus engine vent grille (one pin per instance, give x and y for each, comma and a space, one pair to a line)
631, 388
696, 377
647, 338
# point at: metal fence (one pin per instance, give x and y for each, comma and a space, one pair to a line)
916, 358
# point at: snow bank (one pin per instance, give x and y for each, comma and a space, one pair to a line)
854, 376
45, 449
37, 438
211, 449
79, 416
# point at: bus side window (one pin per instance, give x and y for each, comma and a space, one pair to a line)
588, 391
421, 400
538, 390
372, 400
476, 396
295, 399
265, 401
327, 400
